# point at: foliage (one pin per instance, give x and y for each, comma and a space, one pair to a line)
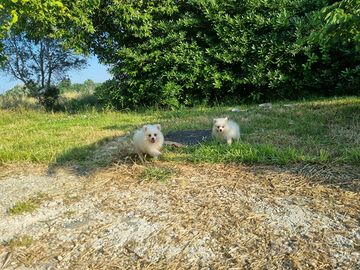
170, 53
64, 85
88, 86
77, 101
7, 18
69, 102
25, 102
51, 95
111, 95
342, 23
65, 20
201, 51
18, 90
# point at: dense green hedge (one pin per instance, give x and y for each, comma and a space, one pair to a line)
187, 52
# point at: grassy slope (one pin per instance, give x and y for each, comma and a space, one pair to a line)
313, 131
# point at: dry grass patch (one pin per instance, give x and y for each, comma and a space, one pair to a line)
23, 168
222, 208
220, 217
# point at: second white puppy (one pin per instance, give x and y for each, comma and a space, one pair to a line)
149, 140
225, 129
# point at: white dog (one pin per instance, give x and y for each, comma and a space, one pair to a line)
225, 129
149, 140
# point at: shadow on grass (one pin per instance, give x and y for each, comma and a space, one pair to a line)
323, 116
99, 154
112, 152
79, 154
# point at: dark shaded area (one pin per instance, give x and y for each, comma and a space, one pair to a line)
189, 137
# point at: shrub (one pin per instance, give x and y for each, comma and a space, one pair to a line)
110, 94
186, 52
51, 95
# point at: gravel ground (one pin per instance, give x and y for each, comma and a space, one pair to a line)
203, 217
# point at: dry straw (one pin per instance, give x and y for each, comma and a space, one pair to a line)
215, 217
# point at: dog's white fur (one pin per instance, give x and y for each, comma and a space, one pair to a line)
225, 129
149, 140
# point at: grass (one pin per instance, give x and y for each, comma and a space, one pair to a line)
22, 207
71, 199
28, 206
324, 130
69, 214
20, 241
256, 153
155, 173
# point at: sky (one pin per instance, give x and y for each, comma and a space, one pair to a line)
95, 71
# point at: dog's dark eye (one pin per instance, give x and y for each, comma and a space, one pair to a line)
218, 126
223, 126
155, 135
149, 135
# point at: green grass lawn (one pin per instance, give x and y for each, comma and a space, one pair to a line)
326, 130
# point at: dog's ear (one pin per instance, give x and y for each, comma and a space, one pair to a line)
225, 119
145, 128
158, 126
215, 120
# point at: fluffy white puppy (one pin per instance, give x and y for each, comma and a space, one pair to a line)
224, 129
149, 140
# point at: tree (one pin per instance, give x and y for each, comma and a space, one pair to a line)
78, 87
6, 20
339, 21
18, 90
10, 10
64, 85
90, 84
59, 19
38, 63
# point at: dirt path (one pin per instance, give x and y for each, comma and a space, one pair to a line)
203, 217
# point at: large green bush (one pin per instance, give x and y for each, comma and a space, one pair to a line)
50, 97
110, 94
186, 52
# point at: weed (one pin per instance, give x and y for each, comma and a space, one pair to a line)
20, 241
38, 198
22, 207
28, 206
71, 199
69, 214
155, 173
